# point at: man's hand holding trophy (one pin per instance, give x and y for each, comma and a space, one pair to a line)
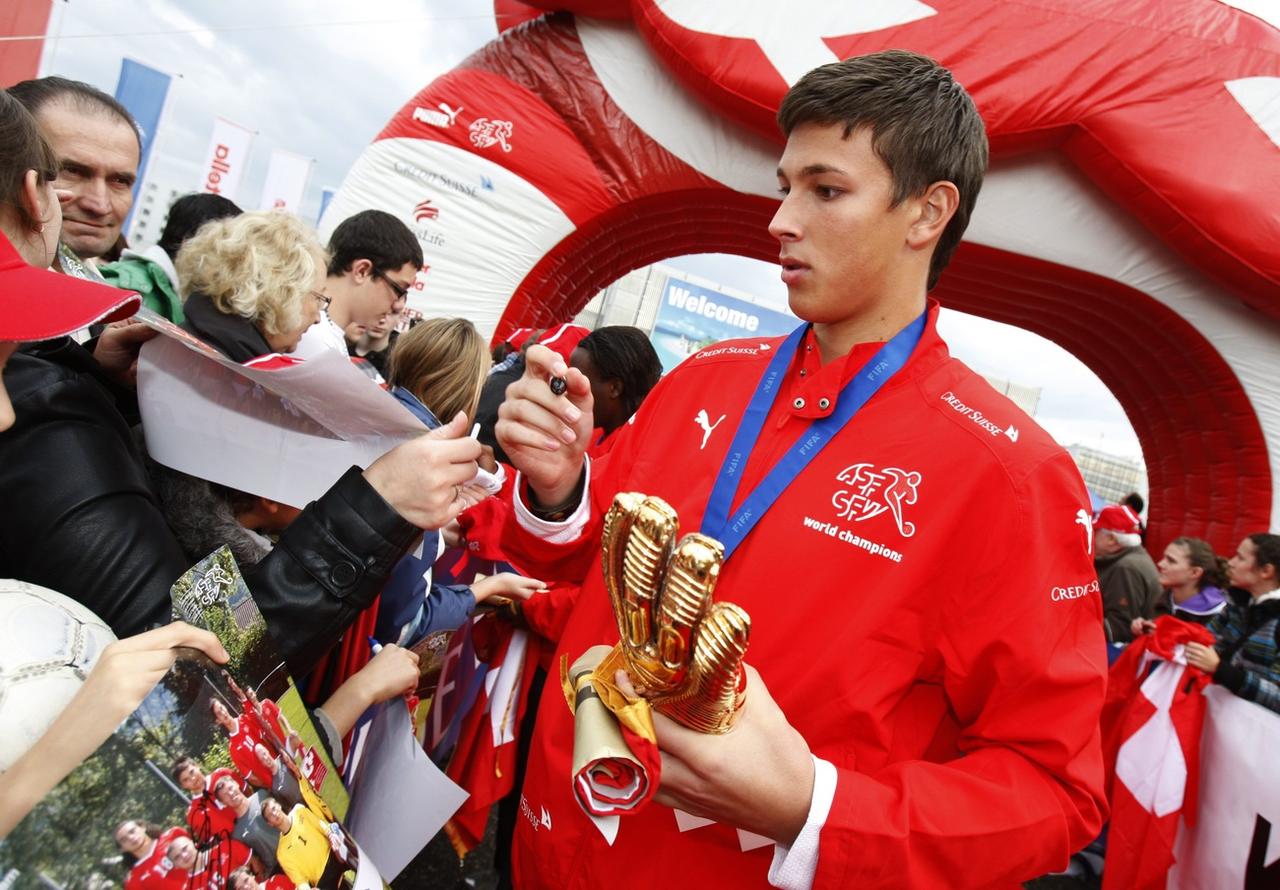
680, 648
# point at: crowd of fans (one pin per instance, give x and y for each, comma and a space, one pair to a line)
93, 506
249, 284
1237, 598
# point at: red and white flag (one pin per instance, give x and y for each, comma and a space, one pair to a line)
1151, 725
484, 759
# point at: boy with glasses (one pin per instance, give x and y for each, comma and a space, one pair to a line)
374, 258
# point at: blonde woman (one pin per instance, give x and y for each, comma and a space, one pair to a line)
437, 371
442, 363
253, 283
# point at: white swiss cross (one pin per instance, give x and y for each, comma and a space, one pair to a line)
790, 34
1260, 98
1150, 762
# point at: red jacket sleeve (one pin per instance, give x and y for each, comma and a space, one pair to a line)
548, 613
1024, 670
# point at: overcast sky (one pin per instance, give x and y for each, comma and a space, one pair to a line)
322, 77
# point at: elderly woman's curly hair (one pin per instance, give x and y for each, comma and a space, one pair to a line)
259, 265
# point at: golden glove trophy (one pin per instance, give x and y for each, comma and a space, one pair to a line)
683, 649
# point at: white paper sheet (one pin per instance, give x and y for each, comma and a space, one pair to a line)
286, 433
399, 798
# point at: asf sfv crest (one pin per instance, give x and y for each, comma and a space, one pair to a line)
868, 492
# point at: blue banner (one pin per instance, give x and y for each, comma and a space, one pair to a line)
692, 317
326, 195
142, 90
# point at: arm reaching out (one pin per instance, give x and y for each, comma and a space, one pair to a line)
507, 584
125, 673
392, 672
426, 480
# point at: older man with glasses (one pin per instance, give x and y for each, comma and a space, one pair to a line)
373, 260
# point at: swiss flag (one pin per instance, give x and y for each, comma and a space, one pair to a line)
1151, 726
484, 758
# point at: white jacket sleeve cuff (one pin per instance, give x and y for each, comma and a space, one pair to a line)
793, 867
555, 532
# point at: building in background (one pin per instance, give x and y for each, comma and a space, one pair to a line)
1109, 476
151, 211
683, 312
631, 300
168, 178
1025, 397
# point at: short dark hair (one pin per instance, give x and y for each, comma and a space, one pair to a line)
1268, 550
188, 213
22, 148
376, 236
623, 353
36, 94
923, 126
1133, 501
180, 765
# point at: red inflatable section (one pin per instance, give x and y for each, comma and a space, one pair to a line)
1135, 93
619, 186
632, 202
574, 181
1206, 457
510, 13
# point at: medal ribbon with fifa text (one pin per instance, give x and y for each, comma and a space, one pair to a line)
731, 530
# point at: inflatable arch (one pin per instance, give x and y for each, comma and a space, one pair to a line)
1129, 214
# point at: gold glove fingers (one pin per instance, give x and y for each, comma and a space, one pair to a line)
686, 593
613, 544
686, 652
646, 550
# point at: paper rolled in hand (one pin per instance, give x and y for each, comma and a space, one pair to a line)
615, 768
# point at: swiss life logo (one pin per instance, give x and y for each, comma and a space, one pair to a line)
425, 210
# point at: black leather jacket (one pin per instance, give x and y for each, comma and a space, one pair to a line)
78, 515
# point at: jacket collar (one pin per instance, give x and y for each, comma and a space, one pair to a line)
1207, 601
415, 406
235, 335
1272, 596
1267, 604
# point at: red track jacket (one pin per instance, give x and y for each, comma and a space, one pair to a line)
924, 610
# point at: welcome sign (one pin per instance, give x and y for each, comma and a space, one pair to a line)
692, 318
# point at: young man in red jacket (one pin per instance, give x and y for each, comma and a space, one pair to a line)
926, 664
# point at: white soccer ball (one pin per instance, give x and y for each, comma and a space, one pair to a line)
48, 644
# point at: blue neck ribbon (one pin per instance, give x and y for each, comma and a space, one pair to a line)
731, 530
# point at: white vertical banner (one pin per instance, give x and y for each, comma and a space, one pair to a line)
226, 158
1235, 844
286, 181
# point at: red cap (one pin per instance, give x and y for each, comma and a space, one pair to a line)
37, 304
1118, 518
563, 339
